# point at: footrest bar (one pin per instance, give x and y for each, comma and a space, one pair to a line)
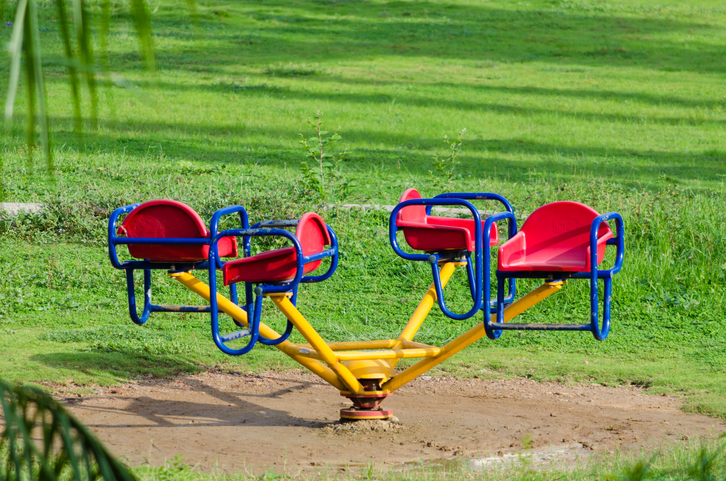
171, 308
513, 326
235, 335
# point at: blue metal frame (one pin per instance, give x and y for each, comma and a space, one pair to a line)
147, 266
478, 278
494, 329
254, 306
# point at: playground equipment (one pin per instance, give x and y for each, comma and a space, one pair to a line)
558, 242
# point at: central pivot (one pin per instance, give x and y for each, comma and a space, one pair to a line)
366, 406
370, 373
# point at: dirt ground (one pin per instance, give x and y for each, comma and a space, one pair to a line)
288, 421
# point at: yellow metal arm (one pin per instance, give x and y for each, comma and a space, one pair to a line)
470, 337
352, 367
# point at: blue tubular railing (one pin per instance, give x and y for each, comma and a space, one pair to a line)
148, 307
332, 252
335, 258
478, 277
147, 266
600, 332
473, 196
112, 238
146, 312
511, 231
501, 301
434, 258
214, 226
254, 308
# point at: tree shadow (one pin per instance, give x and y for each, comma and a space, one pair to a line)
119, 366
565, 161
256, 33
469, 104
186, 400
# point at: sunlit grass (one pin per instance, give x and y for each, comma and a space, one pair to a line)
619, 105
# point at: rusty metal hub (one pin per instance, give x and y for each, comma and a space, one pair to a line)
366, 406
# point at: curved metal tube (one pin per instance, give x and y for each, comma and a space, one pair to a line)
255, 308
601, 332
480, 269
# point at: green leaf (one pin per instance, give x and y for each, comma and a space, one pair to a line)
36, 90
72, 71
15, 47
142, 21
28, 410
81, 24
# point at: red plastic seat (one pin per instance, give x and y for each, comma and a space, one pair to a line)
433, 234
171, 219
556, 237
281, 264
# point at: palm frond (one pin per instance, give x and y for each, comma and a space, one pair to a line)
142, 21
72, 71
43, 441
76, 35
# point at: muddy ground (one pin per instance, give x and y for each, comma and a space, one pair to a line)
288, 421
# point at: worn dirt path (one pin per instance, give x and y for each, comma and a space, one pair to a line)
287, 421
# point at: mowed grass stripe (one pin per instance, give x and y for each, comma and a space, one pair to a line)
619, 105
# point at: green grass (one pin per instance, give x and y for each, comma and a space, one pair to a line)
620, 105
702, 460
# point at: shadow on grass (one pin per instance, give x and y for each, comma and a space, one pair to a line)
325, 93
648, 167
564, 33
568, 33
117, 366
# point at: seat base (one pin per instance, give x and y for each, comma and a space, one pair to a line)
268, 267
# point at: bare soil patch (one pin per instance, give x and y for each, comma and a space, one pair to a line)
286, 421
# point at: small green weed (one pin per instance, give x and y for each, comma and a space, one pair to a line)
325, 177
174, 470
443, 170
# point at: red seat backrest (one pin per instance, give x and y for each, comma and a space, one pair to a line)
165, 219
561, 225
412, 213
312, 233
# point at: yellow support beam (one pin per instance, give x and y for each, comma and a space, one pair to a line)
326, 354
387, 351
390, 354
424, 307
411, 344
412, 353
356, 345
238, 314
470, 336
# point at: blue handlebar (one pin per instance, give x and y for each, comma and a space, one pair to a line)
481, 282
601, 333
254, 309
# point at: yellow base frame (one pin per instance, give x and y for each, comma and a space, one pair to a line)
345, 364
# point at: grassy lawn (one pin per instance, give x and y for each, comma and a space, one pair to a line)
619, 105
